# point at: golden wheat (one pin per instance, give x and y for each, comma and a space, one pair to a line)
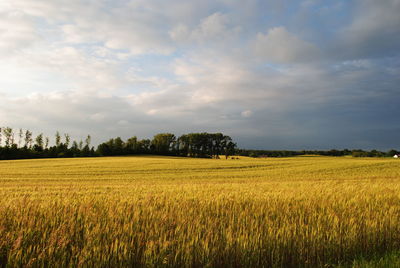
169, 212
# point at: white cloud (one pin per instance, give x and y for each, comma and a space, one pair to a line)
213, 26
17, 32
278, 45
247, 113
180, 33
120, 28
60, 68
216, 27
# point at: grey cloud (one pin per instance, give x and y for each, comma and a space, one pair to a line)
374, 31
303, 106
77, 114
225, 67
280, 46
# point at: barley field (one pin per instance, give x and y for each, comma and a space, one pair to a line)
181, 212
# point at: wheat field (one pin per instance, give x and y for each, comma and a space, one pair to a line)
180, 212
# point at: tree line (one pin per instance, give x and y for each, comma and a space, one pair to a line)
21, 144
208, 145
333, 152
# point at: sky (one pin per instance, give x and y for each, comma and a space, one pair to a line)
309, 74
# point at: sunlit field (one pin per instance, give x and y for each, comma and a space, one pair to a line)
182, 212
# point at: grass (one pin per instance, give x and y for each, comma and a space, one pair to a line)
169, 212
390, 260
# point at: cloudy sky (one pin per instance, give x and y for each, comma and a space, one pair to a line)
309, 74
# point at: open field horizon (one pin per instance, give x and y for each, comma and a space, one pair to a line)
168, 211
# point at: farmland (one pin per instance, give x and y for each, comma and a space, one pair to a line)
168, 212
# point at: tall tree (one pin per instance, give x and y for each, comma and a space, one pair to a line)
88, 140
67, 140
75, 147
118, 146
163, 143
20, 137
28, 139
131, 145
228, 146
8, 136
58, 139
86, 148
39, 143
46, 143
144, 146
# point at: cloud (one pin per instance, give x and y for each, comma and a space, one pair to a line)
373, 32
64, 68
123, 68
76, 113
280, 46
17, 32
215, 28
247, 113
117, 27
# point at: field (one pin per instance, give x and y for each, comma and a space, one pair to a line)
181, 212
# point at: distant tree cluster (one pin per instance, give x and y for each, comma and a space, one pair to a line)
374, 153
208, 145
333, 152
22, 144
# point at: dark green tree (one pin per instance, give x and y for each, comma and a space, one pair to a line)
58, 139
